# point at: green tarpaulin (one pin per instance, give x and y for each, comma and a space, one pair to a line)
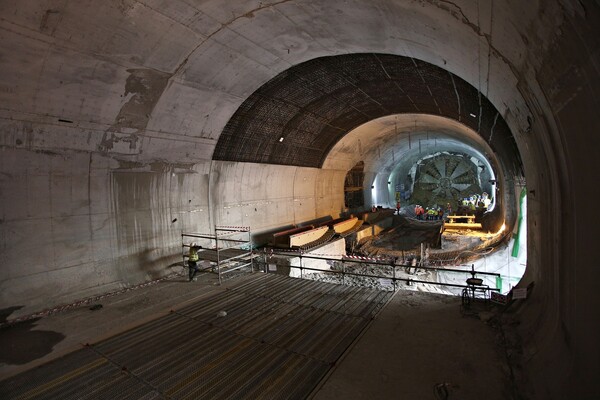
515, 249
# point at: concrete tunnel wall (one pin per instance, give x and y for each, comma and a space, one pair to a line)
109, 114
79, 224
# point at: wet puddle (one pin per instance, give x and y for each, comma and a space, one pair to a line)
21, 344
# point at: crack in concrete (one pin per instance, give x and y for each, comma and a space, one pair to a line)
426, 85
492, 130
461, 16
248, 14
396, 83
457, 95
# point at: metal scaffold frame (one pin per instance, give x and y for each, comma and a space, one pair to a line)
228, 249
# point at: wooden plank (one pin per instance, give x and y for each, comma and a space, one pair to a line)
462, 225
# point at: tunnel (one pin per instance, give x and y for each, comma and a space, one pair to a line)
127, 122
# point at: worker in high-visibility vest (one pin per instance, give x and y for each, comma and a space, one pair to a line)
448, 209
193, 261
432, 214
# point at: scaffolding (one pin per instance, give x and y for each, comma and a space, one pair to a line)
228, 249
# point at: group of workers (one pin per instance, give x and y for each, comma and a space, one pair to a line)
475, 202
466, 205
429, 213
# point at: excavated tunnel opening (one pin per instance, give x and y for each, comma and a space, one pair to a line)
397, 127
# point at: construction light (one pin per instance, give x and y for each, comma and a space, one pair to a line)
502, 228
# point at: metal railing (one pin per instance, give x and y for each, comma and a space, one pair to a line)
391, 264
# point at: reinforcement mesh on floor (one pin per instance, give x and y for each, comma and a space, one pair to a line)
278, 340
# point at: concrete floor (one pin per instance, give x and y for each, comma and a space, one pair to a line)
35, 342
415, 343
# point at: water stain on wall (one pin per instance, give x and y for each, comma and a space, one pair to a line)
143, 88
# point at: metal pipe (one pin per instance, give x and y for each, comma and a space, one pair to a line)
236, 268
250, 246
233, 240
239, 256
232, 229
198, 235
218, 255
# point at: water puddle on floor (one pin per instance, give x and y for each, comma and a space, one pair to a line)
21, 343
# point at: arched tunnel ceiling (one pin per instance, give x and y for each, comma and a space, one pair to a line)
298, 116
385, 143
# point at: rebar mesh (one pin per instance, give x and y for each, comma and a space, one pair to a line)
279, 338
336, 94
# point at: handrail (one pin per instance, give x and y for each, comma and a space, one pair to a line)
388, 264
394, 279
392, 264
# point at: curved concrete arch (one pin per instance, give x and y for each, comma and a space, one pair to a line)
375, 141
110, 113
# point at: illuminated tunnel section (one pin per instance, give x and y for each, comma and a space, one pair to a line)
395, 150
392, 147
301, 116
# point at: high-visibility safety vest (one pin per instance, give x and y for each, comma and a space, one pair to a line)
193, 255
